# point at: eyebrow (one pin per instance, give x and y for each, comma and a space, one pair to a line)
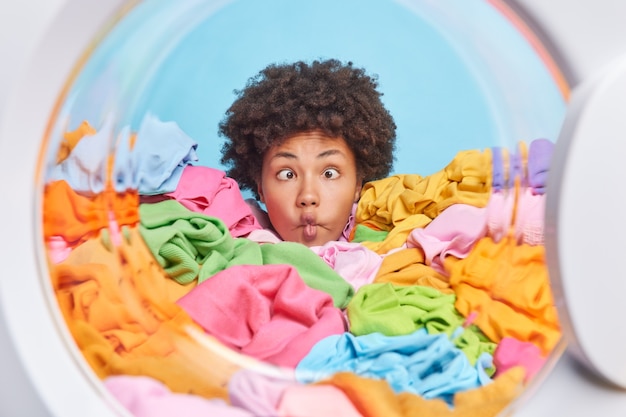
321, 155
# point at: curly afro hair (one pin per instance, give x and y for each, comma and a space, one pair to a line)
282, 100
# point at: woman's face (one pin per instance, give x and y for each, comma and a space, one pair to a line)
309, 184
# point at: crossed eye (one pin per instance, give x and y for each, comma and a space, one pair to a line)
285, 174
288, 174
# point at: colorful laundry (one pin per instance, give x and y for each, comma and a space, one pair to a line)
394, 311
435, 301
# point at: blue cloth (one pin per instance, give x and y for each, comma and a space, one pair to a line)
419, 363
156, 162
152, 166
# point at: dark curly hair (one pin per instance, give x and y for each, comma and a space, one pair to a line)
282, 100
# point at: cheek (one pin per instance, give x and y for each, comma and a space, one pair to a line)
277, 212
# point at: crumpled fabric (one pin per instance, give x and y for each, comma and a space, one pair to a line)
354, 262
150, 161
453, 233
408, 267
419, 363
120, 310
393, 311
506, 287
146, 397
75, 218
400, 203
193, 247
266, 312
84, 166
209, 191
153, 160
186, 244
374, 398
512, 353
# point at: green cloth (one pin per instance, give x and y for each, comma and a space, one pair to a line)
363, 233
190, 245
400, 310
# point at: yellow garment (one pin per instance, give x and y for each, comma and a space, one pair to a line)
375, 398
507, 286
406, 267
120, 308
400, 203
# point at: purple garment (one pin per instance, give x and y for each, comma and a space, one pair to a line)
516, 170
539, 158
498, 175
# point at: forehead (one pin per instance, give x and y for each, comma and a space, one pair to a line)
311, 143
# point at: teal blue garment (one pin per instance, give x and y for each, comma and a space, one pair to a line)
419, 363
315, 272
190, 246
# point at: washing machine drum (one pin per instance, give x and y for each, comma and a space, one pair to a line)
157, 289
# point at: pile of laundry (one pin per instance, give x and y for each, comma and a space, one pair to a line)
437, 299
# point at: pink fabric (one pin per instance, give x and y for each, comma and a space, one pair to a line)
146, 397
209, 191
353, 261
529, 217
453, 232
264, 311
316, 401
500, 214
258, 393
345, 235
263, 236
511, 352
58, 249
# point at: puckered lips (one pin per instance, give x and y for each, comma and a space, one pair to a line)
309, 226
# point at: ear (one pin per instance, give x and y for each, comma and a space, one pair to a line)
259, 190
357, 190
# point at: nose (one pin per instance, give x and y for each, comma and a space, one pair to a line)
308, 197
